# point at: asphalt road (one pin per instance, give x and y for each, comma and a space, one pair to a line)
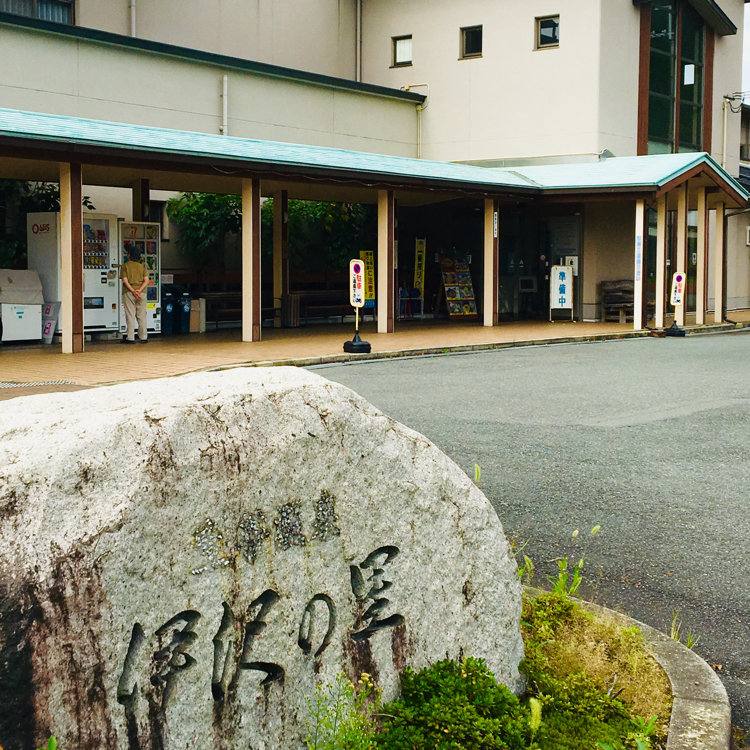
649, 438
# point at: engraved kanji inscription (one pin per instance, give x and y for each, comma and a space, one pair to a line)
368, 583
320, 606
173, 658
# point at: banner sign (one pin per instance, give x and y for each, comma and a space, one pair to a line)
420, 250
368, 256
357, 283
561, 288
678, 288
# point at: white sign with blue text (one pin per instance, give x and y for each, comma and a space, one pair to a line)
561, 288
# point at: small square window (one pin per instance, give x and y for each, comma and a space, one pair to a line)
401, 50
471, 41
547, 32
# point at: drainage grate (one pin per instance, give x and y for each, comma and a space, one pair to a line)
4, 384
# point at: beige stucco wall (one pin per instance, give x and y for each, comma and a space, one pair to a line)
516, 102
738, 263
618, 77
315, 35
608, 248
513, 101
727, 80
60, 75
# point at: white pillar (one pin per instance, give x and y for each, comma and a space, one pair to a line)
679, 312
700, 277
71, 250
251, 260
491, 245
661, 260
639, 270
717, 254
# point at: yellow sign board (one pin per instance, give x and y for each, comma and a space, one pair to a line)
368, 256
420, 251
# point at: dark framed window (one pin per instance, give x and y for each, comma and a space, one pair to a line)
676, 80
471, 41
547, 32
59, 11
402, 50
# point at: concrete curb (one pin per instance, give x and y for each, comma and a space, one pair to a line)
330, 359
701, 717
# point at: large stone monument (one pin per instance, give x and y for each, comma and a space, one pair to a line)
183, 560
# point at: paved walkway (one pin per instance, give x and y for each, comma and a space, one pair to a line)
37, 368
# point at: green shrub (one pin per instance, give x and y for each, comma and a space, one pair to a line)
454, 705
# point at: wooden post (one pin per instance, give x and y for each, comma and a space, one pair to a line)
141, 200
251, 316
679, 312
280, 253
717, 254
700, 277
71, 242
491, 261
661, 261
386, 265
639, 272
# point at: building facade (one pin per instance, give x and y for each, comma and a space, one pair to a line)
490, 83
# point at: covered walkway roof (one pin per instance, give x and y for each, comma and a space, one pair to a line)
53, 138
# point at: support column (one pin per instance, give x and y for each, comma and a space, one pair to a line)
251, 259
491, 261
141, 200
71, 248
639, 272
679, 312
717, 255
280, 253
661, 261
700, 277
386, 265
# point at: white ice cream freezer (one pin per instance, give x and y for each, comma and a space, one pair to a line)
21, 301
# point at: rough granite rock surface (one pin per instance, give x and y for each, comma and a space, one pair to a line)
183, 560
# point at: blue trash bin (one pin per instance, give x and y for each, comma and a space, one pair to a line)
183, 313
168, 308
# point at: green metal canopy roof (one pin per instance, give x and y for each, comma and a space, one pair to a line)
79, 131
647, 173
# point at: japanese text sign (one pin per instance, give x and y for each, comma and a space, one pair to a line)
561, 288
357, 283
678, 288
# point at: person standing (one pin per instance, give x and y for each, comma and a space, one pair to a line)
134, 281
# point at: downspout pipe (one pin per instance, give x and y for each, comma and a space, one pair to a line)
420, 109
131, 5
358, 44
224, 129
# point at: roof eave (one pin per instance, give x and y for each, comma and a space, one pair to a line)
102, 155
209, 58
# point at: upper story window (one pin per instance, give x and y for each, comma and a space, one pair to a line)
547, 32
471, 41
401, 50
59, 11
676, 85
